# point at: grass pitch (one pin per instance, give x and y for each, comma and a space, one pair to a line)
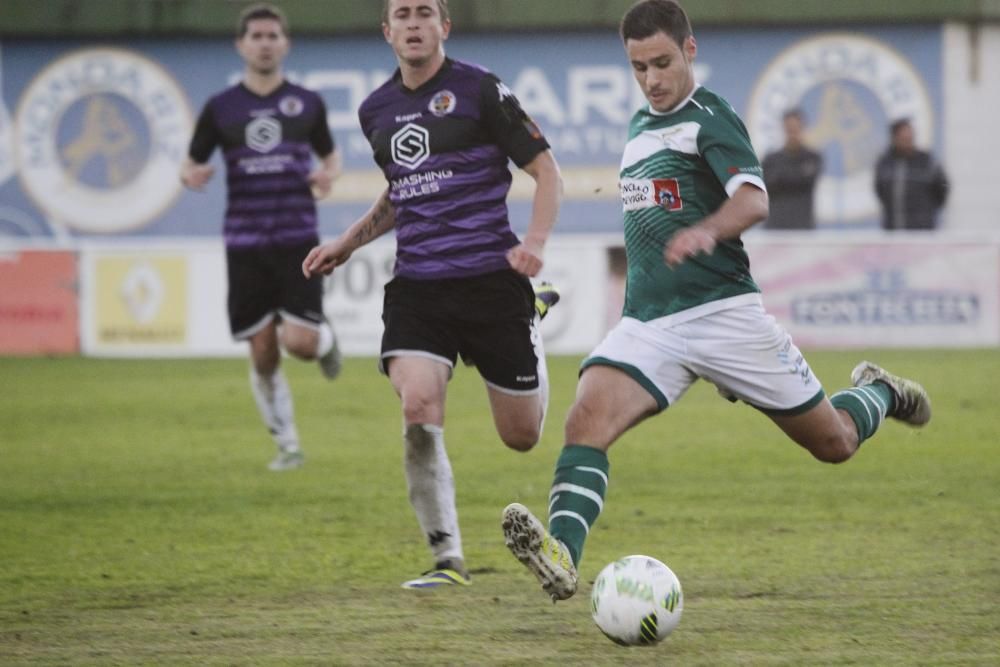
139, 525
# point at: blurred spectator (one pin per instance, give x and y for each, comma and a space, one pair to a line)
911, 185
790, 174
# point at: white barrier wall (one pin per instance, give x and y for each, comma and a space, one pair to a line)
829, 290
971, 55
880, 291
169, 299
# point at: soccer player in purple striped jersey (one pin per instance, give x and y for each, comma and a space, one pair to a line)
268, 130
442, 132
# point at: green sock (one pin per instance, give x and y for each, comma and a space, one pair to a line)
577, 495
867, 406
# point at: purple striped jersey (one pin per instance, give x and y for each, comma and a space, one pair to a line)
444, 149
267, 143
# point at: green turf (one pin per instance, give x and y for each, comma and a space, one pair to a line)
139, 525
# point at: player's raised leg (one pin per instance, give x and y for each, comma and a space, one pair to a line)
834, 429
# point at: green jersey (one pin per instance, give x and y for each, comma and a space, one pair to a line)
678, 168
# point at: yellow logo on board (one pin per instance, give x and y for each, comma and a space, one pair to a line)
141, 300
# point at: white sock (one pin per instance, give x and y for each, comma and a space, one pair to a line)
274, 401
432, 489
325, 342
543, 370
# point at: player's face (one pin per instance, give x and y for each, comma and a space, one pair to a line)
416, 30
793, 131
904, 139
664, 69
264, 46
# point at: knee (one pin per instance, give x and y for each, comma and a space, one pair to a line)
520, 438
300, 351
836, 448
419, 409
581, 424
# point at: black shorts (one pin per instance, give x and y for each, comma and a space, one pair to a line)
267, 282
488, 319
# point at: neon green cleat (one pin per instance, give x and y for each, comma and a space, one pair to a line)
445, 573
546, 557
546, 296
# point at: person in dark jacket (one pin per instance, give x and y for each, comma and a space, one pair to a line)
910, 184
790, 174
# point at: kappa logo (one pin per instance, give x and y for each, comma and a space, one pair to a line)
410, 146
850, 87
437, 537
99, 137
263, 134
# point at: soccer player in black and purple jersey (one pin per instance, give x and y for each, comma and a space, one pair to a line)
443, 131
268, 130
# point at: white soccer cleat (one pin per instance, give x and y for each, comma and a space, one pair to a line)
912, 403
287, 460
331, 362
546, 557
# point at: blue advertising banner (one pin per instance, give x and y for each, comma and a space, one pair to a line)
92, 135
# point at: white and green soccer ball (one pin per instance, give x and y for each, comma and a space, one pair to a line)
637, 601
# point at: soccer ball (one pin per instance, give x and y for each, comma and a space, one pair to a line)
636, 601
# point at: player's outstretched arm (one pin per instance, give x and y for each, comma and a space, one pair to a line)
526, 258
195, 175
743, 210
324, 258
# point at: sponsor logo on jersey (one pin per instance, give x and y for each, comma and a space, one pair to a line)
291, 106
99, 138
443, 103
410, 146
639, 193
421, 183
850, 87
263, 134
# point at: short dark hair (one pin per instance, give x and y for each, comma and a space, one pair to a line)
794, 112
442, 9
897, 125
260, 11
648, 17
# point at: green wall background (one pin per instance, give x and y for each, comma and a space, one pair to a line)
91, 18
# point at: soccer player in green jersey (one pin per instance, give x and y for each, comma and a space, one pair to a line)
690, 184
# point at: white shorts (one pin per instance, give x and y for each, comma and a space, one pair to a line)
742, 350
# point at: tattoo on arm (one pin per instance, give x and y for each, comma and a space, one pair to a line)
381, 220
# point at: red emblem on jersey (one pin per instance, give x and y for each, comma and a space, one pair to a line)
667, 193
